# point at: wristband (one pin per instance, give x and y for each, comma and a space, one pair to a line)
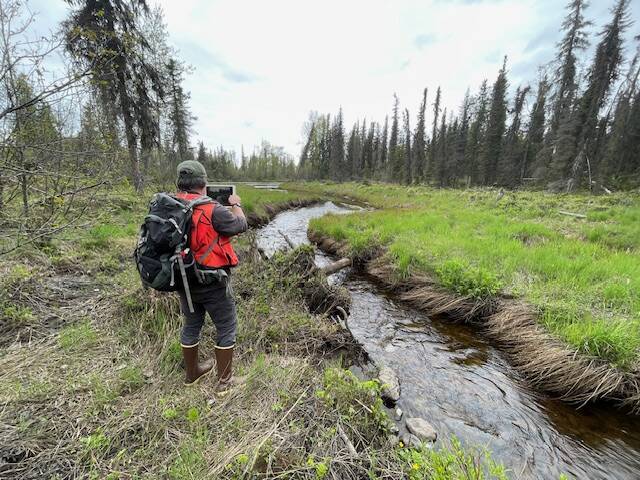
236, 205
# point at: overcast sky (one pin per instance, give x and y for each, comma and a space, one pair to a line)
262, 66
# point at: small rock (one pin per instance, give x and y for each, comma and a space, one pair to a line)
422, 429
392, 440
398, 414
390, 384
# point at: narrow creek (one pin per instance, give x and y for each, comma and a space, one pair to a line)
465, 387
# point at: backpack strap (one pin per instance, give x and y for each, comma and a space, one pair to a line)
206, 254
196, 202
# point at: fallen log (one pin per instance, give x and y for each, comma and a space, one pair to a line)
336, 266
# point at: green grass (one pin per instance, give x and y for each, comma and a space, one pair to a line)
583, 275
77, 337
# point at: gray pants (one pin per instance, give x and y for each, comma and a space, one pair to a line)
217, 300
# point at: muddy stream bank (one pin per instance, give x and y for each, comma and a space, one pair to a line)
465, 387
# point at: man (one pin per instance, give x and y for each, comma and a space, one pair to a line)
209, 242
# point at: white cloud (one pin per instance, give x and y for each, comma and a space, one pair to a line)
296, 56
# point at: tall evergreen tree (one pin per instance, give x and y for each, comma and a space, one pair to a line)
623, 145
440, 158
337, 160
602, 75
369, 151
407, 168
431, 162
495, 127
535, 134
476, 135
384, 150
180, 117
395, 148
462, 136
419, 142
557, 153
353, 151
363, 148
574, 41
510, 163
202, 153
105, 36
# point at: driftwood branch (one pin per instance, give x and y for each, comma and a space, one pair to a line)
570, 214
336, 266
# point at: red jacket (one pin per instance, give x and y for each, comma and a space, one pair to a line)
209, 248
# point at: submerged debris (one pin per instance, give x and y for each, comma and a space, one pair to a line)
298, 267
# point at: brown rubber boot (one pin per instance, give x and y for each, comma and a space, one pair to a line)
224, 361
195, 370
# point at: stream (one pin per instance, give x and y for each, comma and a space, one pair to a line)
463, 386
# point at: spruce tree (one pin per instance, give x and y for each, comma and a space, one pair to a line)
431, 162
363, 151
105, 37
418, 150
337, 160
535, 133
384, 150
180, 117
510, 163
440, 158
574, 41
624, 138
395, 149
495, 127
353, 151
602, 75
451, 165
557, 154
305, 160
407, 168
459, 155
369, 151
202, 153
476, 135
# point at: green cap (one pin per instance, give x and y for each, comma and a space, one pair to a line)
192, 169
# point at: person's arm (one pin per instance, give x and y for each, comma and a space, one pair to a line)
229, 223
236, 209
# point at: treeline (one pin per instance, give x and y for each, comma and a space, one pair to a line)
582, 130
266, 162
